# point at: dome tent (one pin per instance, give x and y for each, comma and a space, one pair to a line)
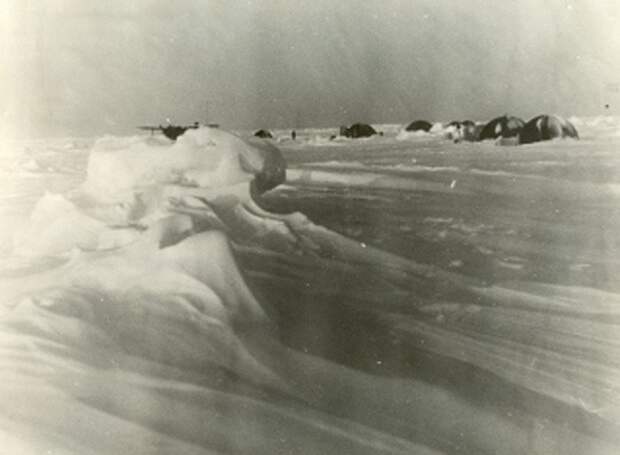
358, 130
465, 130
546, 127
502, 127
419, 125
264, 134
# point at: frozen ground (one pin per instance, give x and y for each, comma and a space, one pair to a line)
399, 294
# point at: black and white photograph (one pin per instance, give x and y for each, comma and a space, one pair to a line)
310, 227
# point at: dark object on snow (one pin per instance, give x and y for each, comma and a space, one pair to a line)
358, 130
465, 130
546, 127
174, 131
269, 171
170, 131
293, 135
419, 125
502, 127
264, 134
470, 130
464, 123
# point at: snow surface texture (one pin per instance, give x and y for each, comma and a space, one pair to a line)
158, 308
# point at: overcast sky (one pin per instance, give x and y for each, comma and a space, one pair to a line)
80, 67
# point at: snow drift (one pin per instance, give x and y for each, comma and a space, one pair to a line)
156, 308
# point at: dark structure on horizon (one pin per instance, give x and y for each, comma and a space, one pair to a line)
461, 124
264, 134
502, 127
419, 125
172, 132
357, 130
466, 130
546, 127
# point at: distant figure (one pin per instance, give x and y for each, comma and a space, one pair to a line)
419, 125
502, 127
264, 134
546, 127
293, 135
357, 130
607, 106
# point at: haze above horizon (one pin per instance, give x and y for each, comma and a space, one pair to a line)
73, 67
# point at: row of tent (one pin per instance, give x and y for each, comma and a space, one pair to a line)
540, 128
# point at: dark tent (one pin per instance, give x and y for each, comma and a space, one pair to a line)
264, 134
471, 130
546, 127
504, 126
463, 124
358, 130
465, 130
419, 125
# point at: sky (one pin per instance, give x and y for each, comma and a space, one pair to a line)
75, 67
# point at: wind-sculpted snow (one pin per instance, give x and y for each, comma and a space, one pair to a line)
166, 306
